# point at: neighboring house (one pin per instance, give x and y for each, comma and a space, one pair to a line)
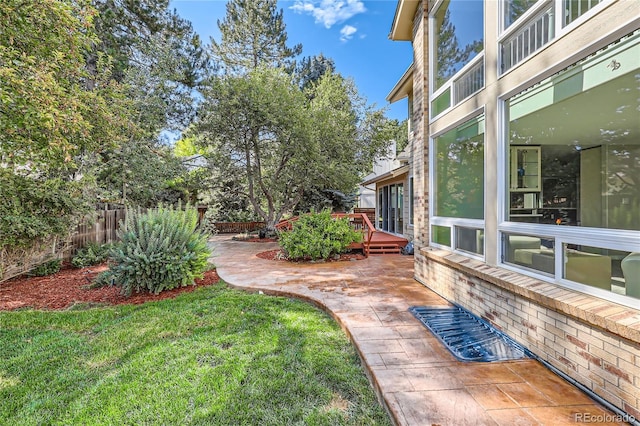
388, 190
525, 158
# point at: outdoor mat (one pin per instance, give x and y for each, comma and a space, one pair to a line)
468, 337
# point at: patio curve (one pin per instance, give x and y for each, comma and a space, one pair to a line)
415, 377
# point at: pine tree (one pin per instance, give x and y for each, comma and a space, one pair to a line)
253, 34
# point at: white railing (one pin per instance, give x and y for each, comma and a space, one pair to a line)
573, 9
528, 39
469, 83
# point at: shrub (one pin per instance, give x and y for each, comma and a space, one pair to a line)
158, 250
47, 268
91, 254
318, 236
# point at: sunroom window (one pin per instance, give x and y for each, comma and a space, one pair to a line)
573, 162
458, 188
574, 156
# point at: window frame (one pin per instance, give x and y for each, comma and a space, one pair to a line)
452, 222
613, 239
449, 84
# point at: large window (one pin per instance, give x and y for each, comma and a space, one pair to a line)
458, 32
459, 158
573, 161
575, 144
458, 188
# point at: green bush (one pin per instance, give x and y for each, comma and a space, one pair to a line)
91, 254
158, 250
318, 236
47, 268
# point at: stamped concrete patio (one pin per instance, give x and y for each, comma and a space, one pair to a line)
415, 376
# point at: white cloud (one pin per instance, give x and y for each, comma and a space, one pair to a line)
329, 12
347, 32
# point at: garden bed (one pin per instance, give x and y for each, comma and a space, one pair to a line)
70, 287
278, 254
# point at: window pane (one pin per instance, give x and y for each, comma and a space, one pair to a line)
460, 171
575, 8
611, 270
529, 251
458, 30
515, 9
441, 103
582, 127
471, 240
441, 235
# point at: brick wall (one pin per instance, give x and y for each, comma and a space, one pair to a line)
604, 362
420, 121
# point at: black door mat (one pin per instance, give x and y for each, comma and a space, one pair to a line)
468, 337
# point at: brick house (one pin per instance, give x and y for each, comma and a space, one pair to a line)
525, 163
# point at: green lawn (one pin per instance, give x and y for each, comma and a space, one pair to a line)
216, 356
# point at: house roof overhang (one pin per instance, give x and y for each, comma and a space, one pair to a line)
402, 27
403, 87
386, 176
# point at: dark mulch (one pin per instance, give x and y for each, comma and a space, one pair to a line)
278, 254
70, 286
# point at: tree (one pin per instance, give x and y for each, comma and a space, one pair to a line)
143, 170
126, 26
46, 114
253, 34
49, 116
279, 142
311, 69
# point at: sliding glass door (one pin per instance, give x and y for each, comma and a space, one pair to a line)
390, 205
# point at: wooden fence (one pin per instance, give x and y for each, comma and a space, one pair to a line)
100, 229
238, 227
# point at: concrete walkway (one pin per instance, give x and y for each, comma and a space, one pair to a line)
414, 375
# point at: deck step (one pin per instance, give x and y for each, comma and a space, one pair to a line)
384, 248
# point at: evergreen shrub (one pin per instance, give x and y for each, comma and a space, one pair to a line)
318, 236
158, 250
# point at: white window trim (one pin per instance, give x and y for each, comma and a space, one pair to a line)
559, 30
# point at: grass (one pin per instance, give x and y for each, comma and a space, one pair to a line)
215, 356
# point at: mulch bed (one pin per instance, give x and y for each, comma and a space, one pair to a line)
70, 286
278, 254
257, 240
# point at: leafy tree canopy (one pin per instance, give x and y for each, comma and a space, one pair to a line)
279, 141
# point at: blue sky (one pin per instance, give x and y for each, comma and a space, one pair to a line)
351, 32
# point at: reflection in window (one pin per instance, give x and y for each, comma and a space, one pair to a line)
458, 30
470, 240
585, 124
612, 270
514, 9
460, 171
441, 235
531, 252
